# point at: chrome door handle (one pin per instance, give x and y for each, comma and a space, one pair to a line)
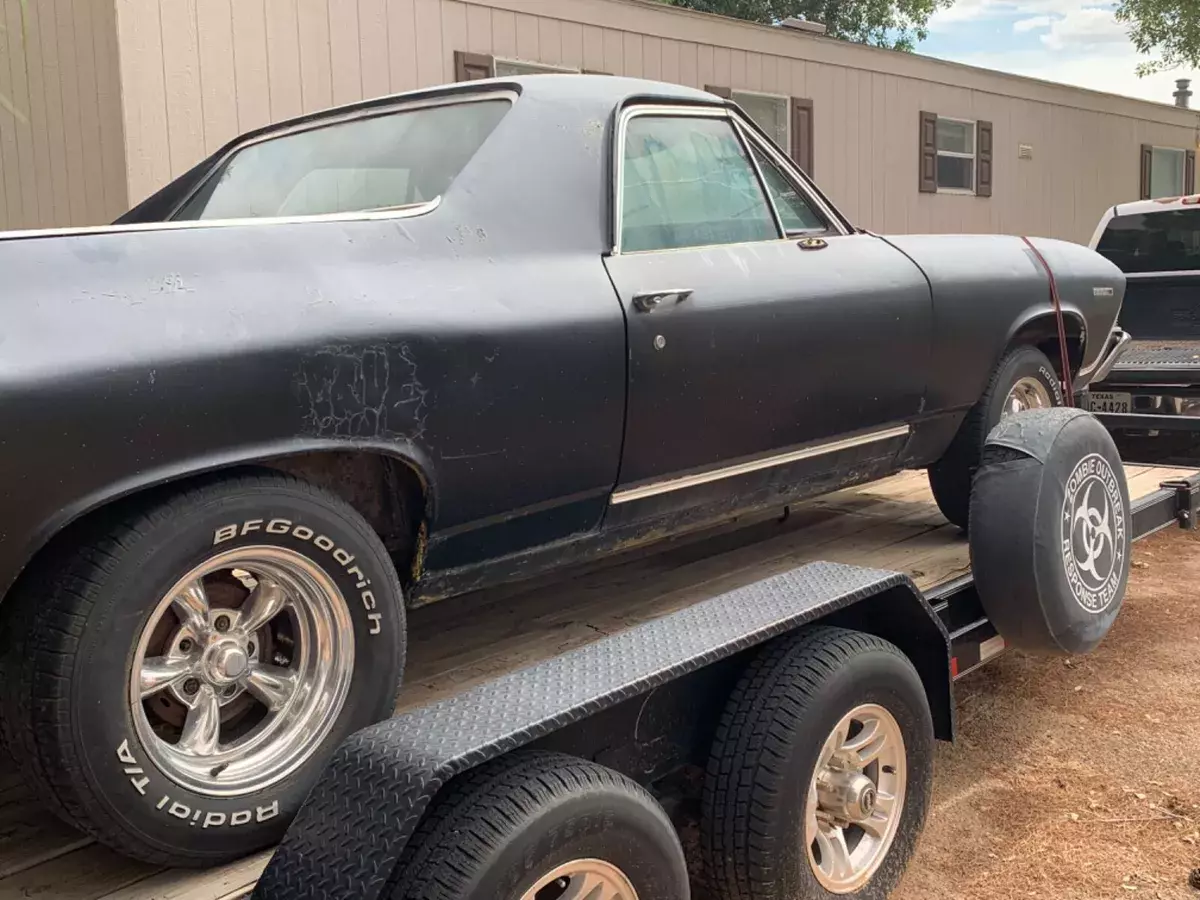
648, 300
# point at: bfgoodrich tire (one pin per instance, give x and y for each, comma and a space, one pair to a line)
1023, 370
181, 668
786, 777
542, 825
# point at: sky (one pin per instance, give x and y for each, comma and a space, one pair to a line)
1073, 41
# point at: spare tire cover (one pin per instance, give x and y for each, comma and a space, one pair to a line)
1050, 531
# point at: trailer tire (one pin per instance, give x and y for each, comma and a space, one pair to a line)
1051, 531
510, 828
759, 834
950, 477
97, 616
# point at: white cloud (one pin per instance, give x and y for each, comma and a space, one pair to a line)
1082, 44
1036, 23
1086, 28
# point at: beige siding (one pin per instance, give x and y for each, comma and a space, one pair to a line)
196, 72
62, 153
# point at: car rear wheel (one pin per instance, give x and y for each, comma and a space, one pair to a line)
1023, 379
182, 666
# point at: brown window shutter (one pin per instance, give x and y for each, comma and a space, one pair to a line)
1189, 173
723, 92
1147, 158
983, 159
472, 66
802, 134
928, 153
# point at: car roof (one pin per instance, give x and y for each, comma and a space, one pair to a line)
1140, 207
611, 90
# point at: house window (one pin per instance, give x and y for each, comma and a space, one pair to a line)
956, 156
1166, 172
769, 112
507, 68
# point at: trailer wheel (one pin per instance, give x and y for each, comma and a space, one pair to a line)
1023, 379
182, 665
542, 826
820, 772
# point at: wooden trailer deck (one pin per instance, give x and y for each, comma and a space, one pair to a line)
889, 524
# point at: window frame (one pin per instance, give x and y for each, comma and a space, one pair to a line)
354, 115
745, 133
787, 107
540, 68
789, 169
973, 190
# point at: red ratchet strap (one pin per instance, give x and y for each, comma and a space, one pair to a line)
1068, 396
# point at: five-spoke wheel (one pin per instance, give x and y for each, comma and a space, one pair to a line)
242, 669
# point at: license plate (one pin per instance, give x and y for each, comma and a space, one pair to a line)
1110, 402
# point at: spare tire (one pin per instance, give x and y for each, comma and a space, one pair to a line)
1050, 531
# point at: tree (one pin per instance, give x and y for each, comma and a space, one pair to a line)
1170, 28
894, 24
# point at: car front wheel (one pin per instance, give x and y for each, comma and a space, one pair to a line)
182, 667
1023, 379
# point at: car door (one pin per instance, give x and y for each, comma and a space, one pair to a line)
760, 331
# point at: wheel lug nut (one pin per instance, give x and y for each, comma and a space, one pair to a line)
185, 645
222, 623
191, 685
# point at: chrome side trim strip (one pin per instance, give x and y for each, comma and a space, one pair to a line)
687, 481
403, 212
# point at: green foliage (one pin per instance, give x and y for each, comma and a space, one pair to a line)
894, 24
1169, 28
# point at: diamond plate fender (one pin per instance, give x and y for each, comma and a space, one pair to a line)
350, 832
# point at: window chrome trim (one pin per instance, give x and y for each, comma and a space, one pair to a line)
748, 149
404, 212
641, 492
337, 119
792, 172
618, 176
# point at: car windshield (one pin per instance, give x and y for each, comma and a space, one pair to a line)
1164, 241
382, 162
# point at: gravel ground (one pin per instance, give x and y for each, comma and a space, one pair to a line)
1079, 778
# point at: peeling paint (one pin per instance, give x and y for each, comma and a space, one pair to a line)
362, 392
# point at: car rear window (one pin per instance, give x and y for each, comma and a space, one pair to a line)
383, 162
1167, 241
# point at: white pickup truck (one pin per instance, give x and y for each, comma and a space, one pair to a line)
1151, 397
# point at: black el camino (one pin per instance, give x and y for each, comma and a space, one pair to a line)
404, 349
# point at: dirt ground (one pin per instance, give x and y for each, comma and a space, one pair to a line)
1079, 778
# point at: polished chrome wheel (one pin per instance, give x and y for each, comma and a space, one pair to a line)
242, 670
1027, 393
583, 879
855, 799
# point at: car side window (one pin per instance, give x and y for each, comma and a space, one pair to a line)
381, 162
797, 215
687, 182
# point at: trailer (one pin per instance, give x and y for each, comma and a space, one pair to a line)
714, 599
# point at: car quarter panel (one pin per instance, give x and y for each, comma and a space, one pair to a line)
482, 343
987, 287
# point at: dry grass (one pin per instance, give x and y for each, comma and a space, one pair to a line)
1079, 778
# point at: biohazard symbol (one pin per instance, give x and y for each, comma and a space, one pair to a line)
1095, 533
